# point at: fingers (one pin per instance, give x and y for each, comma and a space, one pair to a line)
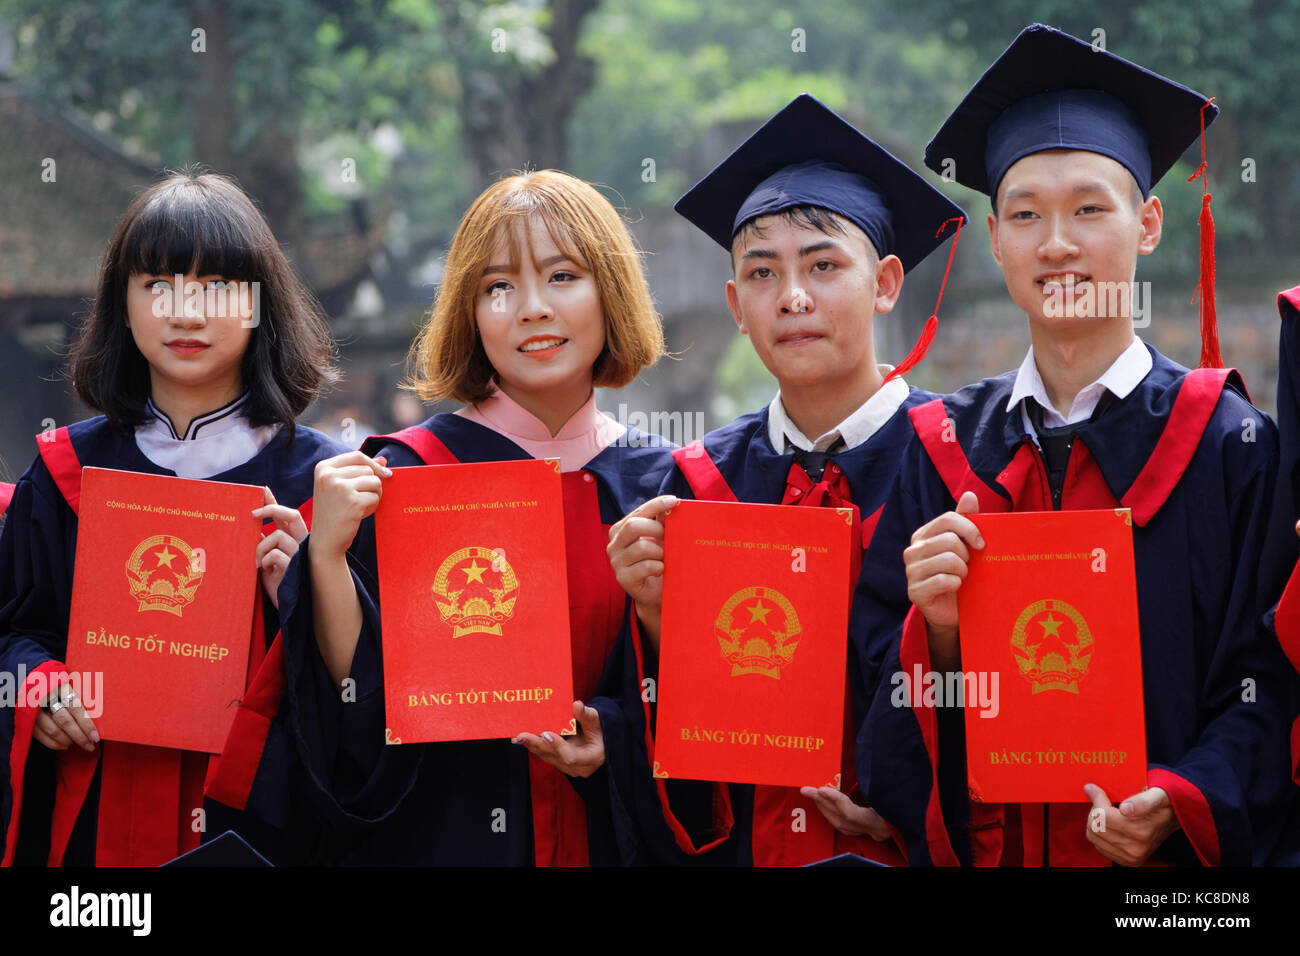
945, 542
845, 815
655, 507
954, 522
624, 555
70, 717
542, 746
286, 519
644, 520
276, 543
379, 466
579, 756
47, 733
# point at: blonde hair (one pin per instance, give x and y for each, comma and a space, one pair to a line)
447, 358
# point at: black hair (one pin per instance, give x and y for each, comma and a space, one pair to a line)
203, 224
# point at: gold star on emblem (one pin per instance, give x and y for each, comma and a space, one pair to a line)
165, 557
758, 613
474, 572
1050, 624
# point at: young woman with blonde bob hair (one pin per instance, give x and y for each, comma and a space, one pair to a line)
543, 299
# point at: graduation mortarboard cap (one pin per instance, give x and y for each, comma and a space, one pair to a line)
807, 155
229, 849
1049, 90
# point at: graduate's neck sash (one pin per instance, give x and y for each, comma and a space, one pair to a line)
148, 795
774, 839
559, 814
1014, 834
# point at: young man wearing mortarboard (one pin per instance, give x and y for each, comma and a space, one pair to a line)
1068, 143
821, 224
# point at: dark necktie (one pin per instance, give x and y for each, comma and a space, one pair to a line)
1057, 442
814, 462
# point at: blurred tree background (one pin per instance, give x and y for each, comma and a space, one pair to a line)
364, 129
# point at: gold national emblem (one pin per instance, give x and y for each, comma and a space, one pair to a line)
1052, 645
163, 573
475, 589
757, 629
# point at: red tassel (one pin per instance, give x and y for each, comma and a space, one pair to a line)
932, 323
1210, 357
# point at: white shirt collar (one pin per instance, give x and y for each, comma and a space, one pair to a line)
214, 442
865, 421
1124, 375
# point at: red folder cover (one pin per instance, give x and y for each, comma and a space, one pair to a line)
754, 643
162, 605
1049, 624
474, 601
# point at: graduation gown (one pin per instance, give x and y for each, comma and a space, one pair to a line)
684, 822
52, 804
481, 802
1279, 566
1195, 463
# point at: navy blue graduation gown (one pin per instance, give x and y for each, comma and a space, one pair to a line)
37, 552
1282, 546
1195, 463
693, 822
462, 802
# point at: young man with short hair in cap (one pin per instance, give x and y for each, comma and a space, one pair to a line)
1068, 141
821, 225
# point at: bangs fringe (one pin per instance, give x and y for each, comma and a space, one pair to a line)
189, 229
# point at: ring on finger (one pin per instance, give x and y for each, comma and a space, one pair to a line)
55, 706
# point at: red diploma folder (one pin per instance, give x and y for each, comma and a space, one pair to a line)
1049, 625
753, 648
474, 601
162, 605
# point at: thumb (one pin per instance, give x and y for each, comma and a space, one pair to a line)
267, 497
588, 718
1097, 796
1143, 802
969, 503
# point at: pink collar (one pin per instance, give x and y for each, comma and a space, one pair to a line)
585, 435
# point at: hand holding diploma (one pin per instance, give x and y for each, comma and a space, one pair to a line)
65, 723
936, 564
846, 816
578, 756
636, 553
345, 491
276, 549
1130, 833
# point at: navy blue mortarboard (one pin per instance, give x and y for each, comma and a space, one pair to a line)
1049, 90
807, 155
